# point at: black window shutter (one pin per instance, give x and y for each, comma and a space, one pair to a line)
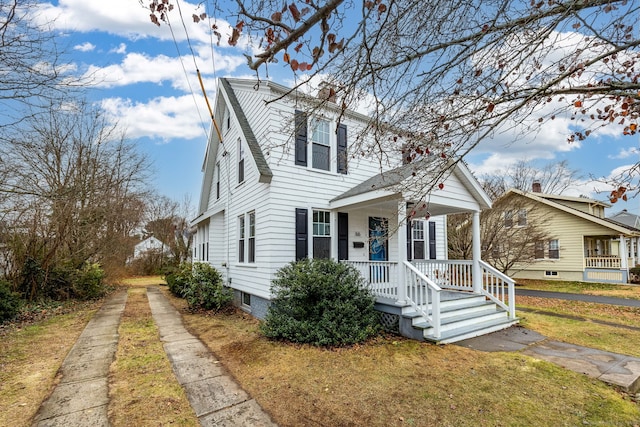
301, 138
302, 235
432, 240
342, 149
343, 235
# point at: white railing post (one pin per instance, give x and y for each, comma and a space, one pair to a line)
402, 252
476, 253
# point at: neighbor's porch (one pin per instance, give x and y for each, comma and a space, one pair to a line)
608, 258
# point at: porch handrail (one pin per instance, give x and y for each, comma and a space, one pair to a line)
422, 291
493, 287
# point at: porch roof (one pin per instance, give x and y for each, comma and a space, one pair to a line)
390, 184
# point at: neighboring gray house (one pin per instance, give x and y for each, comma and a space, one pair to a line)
278, 188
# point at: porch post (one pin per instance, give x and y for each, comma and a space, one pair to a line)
476, 252
624, 254
632, 254
402, 251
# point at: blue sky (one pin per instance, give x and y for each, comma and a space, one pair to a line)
139, 79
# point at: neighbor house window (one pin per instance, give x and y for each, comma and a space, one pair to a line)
539, 250
554, 249
321, 234
418, 239
241, 238
240, 161
522, 217
321, 144
252, 237
508, 219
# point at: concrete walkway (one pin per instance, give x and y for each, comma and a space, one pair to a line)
214, 396
81, 398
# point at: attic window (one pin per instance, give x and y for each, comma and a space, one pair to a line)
226, 120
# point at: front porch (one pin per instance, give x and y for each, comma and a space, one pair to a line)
608, 258
440, 301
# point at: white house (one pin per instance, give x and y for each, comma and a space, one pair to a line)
149, 244
277, 187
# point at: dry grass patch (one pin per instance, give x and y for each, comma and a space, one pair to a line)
28, 368
396, 382
142, 389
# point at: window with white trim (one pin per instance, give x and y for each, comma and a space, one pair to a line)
539, 249
217, 180
418, 238
241, 238
554, 249
508, 219
321, 144
246, 299
251, 256
522, 218
321, 234
240, 161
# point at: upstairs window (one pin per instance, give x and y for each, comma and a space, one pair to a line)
240, 161
217, 180
522, 218
539, 250
508, 219
321, 145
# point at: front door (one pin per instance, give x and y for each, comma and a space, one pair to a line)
378, 232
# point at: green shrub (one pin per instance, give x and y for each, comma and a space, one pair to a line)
205, 289
178, 279
10, 302
88, 282
320, 302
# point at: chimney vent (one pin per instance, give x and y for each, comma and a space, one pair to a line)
536, 187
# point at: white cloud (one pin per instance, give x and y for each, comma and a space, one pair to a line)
121, 49
162, 118
625, 153
85, 47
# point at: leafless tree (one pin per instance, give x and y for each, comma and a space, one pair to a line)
74, 190
32, 64
450, 74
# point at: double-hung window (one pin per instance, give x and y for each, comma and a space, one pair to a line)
418, 239
554, 249
539, 250
241, 238
251, 256
522, 217
321, 234
321, 144
508, 219
240, 161
247, 237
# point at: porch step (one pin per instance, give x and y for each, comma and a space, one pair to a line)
474, 330
462, 320
473, 305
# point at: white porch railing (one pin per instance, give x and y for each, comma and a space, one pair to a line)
499, 288
424, 278
381, 276
602, 262
422, 292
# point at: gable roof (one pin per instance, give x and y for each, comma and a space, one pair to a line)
548, 201
226, 95
388, 179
